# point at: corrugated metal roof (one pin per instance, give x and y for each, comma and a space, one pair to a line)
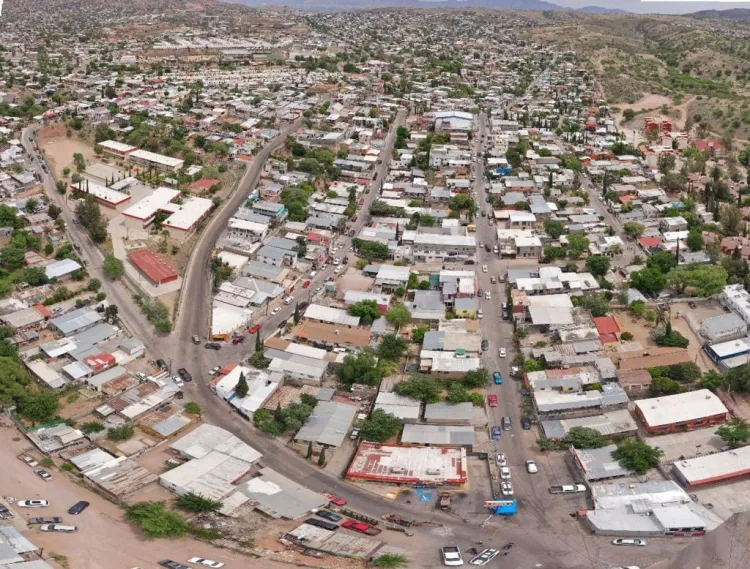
328, 424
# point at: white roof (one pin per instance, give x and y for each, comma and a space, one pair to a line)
207, 438
445, 240
330, 315
117, 146
187, 214
714, 466
731, 348
157, 158
307, 351
104, 193
679, 408
61, 268
243, 224
151, 204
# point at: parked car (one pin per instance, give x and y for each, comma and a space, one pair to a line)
48, 520
321, 524
6, 514
451, 556
480, 314
484, 557
501, 460
178, 382
507, 425
172, 564
254, 329
492, 400
33, 503
214, 370
485, 345
58, 527
205, 562
196, 339
306, 284
621, 541
496, 433
505, 473
525, 423
237, 340
336, 500
484, 268
184, 374
43, 474
493, 280
498, 378
212, 346
330, 516
506, 488
361, 527
275, 311
567, 489
28, 460
162, 364
488, 295
354, 434
502, 352
288, 300
78, 507
531, 467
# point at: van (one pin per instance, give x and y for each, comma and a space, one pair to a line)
58, 527
507, 425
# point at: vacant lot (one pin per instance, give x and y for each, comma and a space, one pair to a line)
59, 149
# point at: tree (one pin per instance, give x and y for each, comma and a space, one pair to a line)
695, 239
598, 265
398, 316
192, 408
554, 252
637, 456
554, 228
421, 387
649, 281
241, 388
156, 521
705, 280
197, 504
476, 378
577, 244
371, 249
94, 285
13, 257
666, 163
113, 267
392, 347
628, 114
360, 367
531, 365
585, 437
730, 218
13, 380
122, 433
661, 385
634, 229
297, 315
322, 457
598, 305
663, 260
734, 432
379, 427
39, 408
367, 310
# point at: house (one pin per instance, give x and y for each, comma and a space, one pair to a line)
328, 426
597, 463
635, 382
683, 411
449, 413
465, 307
61, 270
439, 436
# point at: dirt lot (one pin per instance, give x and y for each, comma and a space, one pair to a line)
59, 149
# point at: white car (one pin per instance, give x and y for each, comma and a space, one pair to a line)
275, 311
488, 295
317, 290
178, 382
484, 268
480, 314
337, 270
501, 460
336, 261
205, 562
531, 467
502, 352
33, 503
620, 541
28, 460
214, 370
506, 488
288, 300
504, 473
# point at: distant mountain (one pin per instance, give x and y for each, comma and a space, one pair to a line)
322, 5
733, 14
601, 10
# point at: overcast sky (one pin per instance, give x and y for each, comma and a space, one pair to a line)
682, 7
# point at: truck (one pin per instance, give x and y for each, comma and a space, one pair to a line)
567, 489
45, 520
451, 556
361, 527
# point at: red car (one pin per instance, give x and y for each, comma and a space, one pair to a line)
361, 527
492, 400
254, 329
307, 284
336, 500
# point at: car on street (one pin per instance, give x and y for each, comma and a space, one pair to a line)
501, 459
336, 500
484, 557
330, 516
237, 340
525, 423
162, 365
172, 564
622, 541
497, 377
505, 473
275, 311
354, 434
205, 562
178, 382
493, 280
212, 346
484, 268
492, 400
214, 370
254, 329
336, 261
33, 503
531, 467
184, 374
78, 507
506, 488
488, 295
196, 339
318, 289
28, 460
58, 527
501, 351
496, 433
567, 489
306, 284
481, 243
43, 474
451, 556
485, 345
507, 424
480, 314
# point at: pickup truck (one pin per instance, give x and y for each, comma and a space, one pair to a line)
451, 556
568, 489
361, 527
47, 520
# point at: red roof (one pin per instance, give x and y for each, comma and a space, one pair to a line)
43, 310
650, 241
608, 338
203, 184
153, 265
606, 325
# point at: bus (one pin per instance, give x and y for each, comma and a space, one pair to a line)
502, 507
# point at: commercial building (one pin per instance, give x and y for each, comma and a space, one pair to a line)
104, 195
439, 435
580, 403
598, 464
114, 148
684, 411
329, 315
186, 216
153, 266
404, 408
437, 248
400, 465
449, 413
76, 321
610, 424
730, 354
712, 468
158, 162
723, 328
328, 425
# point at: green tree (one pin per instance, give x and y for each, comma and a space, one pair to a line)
598, 305
379, 426
649, 281
322, 457
13, 380
121, 433
398, 316
241, 388
554, 228
734, 432
417, 334
554, 252
156, 521
585, 437
598, 265
577, 244
531, 365
40, 407
637, 456
360, 367
197, 504
695, 239
664, 261
661, 385
476, 378
705, 280
392, 347
367, 310
421, 387
634, 229
92, 427
113, 267
192, 408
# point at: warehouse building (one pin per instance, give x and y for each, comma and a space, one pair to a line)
439, 436
681, 412
153, 266
598, 464
731, 354
142, 213
610, 424
713, 468
723, 328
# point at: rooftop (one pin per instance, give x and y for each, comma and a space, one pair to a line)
682, 407
328, 424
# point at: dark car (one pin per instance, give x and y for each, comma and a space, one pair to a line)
485, 345
184, 374
172, 564
162, 364
525, 423
321, 524
329, 515
212, 346
78, 507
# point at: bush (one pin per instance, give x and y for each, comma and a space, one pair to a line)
197, 504
155, 520
627, 336
92, 427
47, 462
672, 339
192, 408
122, 433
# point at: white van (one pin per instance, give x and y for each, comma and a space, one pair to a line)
288, 300
313, 273
59, 527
